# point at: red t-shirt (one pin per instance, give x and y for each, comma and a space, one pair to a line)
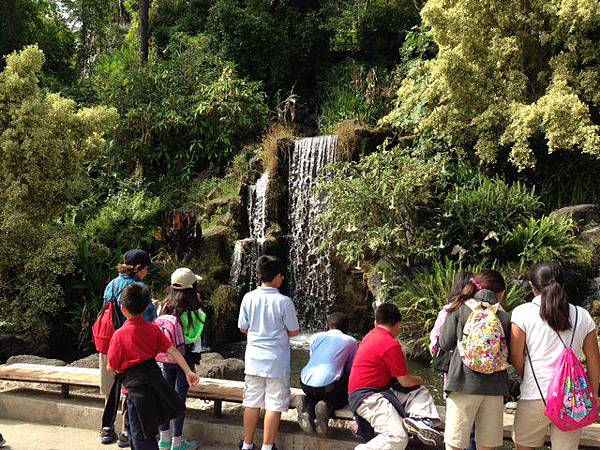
135, 342
378, 361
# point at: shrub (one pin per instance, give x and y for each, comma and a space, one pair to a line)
375, 205
479, 211
270, 146
185, 108
544, 239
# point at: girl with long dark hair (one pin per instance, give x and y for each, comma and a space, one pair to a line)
540, 328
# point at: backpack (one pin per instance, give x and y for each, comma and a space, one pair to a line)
483, 346
170, 327
570, 402
104, 327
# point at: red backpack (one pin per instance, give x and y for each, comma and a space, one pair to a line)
107, 322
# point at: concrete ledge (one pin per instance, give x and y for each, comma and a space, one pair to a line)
82, 411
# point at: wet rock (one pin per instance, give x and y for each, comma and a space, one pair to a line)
11, 345
225, 307
583, 215
225, 369
33, 359
89, 362
217, 238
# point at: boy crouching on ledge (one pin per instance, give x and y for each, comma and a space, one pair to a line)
151, 401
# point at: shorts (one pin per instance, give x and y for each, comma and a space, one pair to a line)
531, 428
464, 410
272, 394
106, 377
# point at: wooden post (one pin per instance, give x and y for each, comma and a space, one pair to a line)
64, 390
218, 404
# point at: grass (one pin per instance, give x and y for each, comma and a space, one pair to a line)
270, 146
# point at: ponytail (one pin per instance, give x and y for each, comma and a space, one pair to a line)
554, 307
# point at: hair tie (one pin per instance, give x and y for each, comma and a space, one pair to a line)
476, 284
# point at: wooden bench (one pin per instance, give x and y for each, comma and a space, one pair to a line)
215, 390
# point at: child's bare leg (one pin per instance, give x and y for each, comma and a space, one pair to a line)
272, 420
251, 416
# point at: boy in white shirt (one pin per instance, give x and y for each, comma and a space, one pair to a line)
269, 319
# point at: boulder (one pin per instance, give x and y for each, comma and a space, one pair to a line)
33, 359
89, 362
225, 369
583, 215
11, 345
211, 357
217, 238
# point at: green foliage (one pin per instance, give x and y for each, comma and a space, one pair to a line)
479, 212
40, 22
181, 110
353, 91
508, 76
277, 43
374, 206
127, 220
372, 31
45, 147
544, 239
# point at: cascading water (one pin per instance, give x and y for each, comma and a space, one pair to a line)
258, 208
310, 266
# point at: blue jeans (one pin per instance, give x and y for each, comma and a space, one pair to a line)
137, 441
176, 378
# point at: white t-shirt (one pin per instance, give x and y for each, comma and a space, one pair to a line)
268, 316
544, 344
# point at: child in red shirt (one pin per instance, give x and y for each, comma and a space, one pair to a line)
133, 347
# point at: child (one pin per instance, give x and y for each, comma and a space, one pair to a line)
150, 399
475, 397
324, 380
134, 269
541, 325
385, 399
183, 302
269, 320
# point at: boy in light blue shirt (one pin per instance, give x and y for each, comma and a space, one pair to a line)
268, 318
325, 377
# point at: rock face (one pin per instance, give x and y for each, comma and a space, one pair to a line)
587, 219
218, 367
32, 359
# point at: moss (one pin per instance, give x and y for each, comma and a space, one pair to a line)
224, 309
355, 139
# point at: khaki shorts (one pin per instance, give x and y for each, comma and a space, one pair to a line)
464, 410
532, 426
272, 394
106, 378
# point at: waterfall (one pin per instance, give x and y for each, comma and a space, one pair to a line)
258, 207
310, 266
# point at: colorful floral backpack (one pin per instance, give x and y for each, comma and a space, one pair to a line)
483, 346
570, 402
171, 328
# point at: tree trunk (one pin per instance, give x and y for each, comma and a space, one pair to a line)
144, 6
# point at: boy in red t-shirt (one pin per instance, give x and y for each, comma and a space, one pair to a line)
132, 350
384, 394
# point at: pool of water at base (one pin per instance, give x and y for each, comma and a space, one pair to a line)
300, 354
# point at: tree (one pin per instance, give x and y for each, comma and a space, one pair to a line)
144, 7
510, 77
45, 147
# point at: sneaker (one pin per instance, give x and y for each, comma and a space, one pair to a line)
108, 436
323, 412
424, 431
186, 445
164, 445
2, 441
123, 440
304, 419
242, 444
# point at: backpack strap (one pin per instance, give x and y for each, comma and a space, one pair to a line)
533, 373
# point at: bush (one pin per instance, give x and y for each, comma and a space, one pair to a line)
270, 146
184, 109
375, 207
355, 92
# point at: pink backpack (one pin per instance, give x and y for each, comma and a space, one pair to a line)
171, 328
570, 402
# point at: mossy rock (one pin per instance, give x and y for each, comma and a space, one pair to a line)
224, 308
356, 140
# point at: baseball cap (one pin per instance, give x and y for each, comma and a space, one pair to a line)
137, 257
184, 278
